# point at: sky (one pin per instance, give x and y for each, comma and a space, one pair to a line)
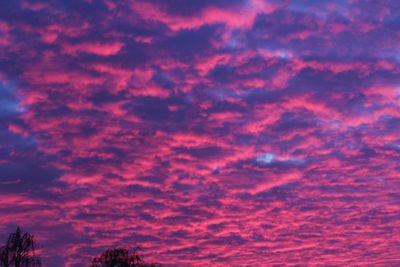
209, 132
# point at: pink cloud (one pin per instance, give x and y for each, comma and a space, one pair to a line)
101, 49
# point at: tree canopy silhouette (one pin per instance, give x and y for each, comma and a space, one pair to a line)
19, 251
120, 257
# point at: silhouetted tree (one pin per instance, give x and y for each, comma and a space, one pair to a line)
19, 251
120, 257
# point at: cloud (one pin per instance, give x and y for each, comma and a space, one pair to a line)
209, 132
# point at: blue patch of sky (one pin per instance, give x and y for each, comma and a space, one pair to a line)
223, 93
296, 161
9, 103
236, 41
266, 158
319, 7
10, 108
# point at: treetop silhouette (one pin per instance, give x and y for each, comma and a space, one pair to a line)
120, 257
19, 251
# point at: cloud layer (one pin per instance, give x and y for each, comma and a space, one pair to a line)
240, 133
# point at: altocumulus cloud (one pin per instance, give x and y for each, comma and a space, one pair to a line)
223, 133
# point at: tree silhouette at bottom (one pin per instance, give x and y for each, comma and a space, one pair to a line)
19, 251
120, 257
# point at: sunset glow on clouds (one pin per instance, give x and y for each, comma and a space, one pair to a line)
210, 132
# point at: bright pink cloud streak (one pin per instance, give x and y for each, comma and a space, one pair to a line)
222, 133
